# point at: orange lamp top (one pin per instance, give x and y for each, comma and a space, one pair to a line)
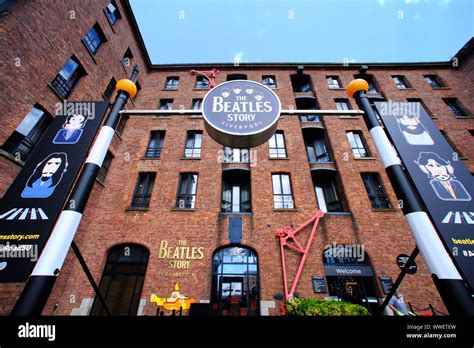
357, 85
128, 86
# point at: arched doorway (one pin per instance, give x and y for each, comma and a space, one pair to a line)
235, 282
122, 280
350, 276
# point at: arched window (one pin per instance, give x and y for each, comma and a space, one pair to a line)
122, 280
235, 283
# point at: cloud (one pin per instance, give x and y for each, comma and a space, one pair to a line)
381, 2
238, 57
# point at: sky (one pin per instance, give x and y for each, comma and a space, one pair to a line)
299, 31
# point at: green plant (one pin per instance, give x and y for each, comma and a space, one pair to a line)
317, 307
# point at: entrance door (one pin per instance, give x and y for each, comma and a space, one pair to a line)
235, 282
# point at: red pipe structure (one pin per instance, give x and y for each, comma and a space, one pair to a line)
287, 238
208, 74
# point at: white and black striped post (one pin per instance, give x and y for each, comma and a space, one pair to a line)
36, 292
448, 281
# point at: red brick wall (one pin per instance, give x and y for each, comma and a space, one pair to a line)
107, 222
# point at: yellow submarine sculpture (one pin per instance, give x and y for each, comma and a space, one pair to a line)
176, 301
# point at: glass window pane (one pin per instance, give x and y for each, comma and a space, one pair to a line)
198, 140
285, 181
69, 68
276, 184
29, 121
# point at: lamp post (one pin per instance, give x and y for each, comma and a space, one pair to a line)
39, 285
448, 281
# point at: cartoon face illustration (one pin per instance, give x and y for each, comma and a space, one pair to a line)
46, 176
75, 122
225, 93
258, 96
443, 181
237, 89
71, 131
248, 89
413, 130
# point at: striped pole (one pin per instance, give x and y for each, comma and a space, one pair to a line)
36, 292
448, 281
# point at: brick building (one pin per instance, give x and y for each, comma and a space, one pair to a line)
167, 184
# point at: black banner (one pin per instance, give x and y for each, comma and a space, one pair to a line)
444, 183
30, 207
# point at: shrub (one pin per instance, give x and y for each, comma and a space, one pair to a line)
317, 307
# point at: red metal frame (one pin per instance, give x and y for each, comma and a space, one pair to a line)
209, 74
287, 238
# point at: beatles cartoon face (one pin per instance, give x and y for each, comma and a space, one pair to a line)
443, 181
413, 130
72, 130
46, 176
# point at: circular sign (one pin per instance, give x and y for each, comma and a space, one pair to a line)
241, 113
402, 259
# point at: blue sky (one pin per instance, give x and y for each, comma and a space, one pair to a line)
266, 31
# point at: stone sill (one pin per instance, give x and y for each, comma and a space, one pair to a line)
285, 210
337, 89
464, 117
406, 89
364, 158
381, 210
11, 158
184, 209
278, 158
137, 209
158, 116
338, 213
170, 89
355, 117
441, 88
191, 158
150, 158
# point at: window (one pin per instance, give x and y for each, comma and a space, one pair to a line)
142, 195
112, 13
316, 145
155, 144
122, 280
187, 191
121, 125
269, 81
371, 81
109, 90
375, 191
450, 142
94, 38
333, 82
358, 145
193, 144
235, 283
64, 82
471, 131
282, 197
277, 145
454, 106
166, 104
342, 104
400, 81
301, 83
433, 81
172, 82
327, 192
232, 77
234, 155
306, 103
105, 167
127, 57
201, 82
235, 192
422, 103
197, 104
28, 133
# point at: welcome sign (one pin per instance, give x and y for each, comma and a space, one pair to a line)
241, 113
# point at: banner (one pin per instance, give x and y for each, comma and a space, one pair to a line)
30, 207
444, 183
